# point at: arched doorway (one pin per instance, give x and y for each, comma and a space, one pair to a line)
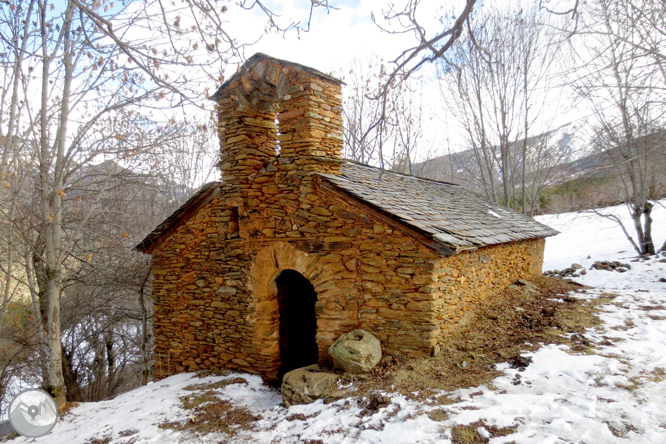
296, 298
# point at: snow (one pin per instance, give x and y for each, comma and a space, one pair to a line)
614, 396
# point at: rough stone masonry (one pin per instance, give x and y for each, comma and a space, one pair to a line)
400, 257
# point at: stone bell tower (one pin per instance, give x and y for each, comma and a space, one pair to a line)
273, 107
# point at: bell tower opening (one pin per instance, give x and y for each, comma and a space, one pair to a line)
296, 298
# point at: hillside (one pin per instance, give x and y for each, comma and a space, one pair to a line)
578, 177
570, 141
603, 385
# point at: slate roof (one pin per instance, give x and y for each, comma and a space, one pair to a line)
453, 217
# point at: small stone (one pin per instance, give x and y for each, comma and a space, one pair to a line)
226, 291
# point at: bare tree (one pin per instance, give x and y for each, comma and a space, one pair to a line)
80, 80
394, 144
360, 112
640, 24
621, 79
494, 81
428, 48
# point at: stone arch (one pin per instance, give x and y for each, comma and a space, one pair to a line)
267, 266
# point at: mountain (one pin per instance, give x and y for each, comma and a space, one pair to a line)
566, 143
566, 169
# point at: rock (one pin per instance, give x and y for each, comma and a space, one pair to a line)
388, 359
519, 362
611, 266
356, 352
307, 384
376, 402
528, 285
576, 266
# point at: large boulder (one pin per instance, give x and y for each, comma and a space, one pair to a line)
307, 384
356, 352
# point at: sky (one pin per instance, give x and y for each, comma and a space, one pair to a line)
342, 36
335, 37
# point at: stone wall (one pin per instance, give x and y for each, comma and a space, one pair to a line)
215, 303
411, 299
275, 108
464, 280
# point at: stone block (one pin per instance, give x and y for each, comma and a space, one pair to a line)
356, 352
308, 384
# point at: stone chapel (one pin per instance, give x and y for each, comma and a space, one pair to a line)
263, 270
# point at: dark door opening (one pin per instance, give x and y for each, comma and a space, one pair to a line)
296, 299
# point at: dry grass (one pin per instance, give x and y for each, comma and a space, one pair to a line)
469, 433
210, 413
215, 416
215, 385
105, 440
64, 410
517, 321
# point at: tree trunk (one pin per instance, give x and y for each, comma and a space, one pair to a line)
145, 368
39, 313
70, 377
110, 352
56, 384
649, 243
51, 195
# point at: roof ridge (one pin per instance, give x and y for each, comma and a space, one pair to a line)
411, 176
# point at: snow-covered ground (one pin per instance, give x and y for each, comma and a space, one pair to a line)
617, 395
